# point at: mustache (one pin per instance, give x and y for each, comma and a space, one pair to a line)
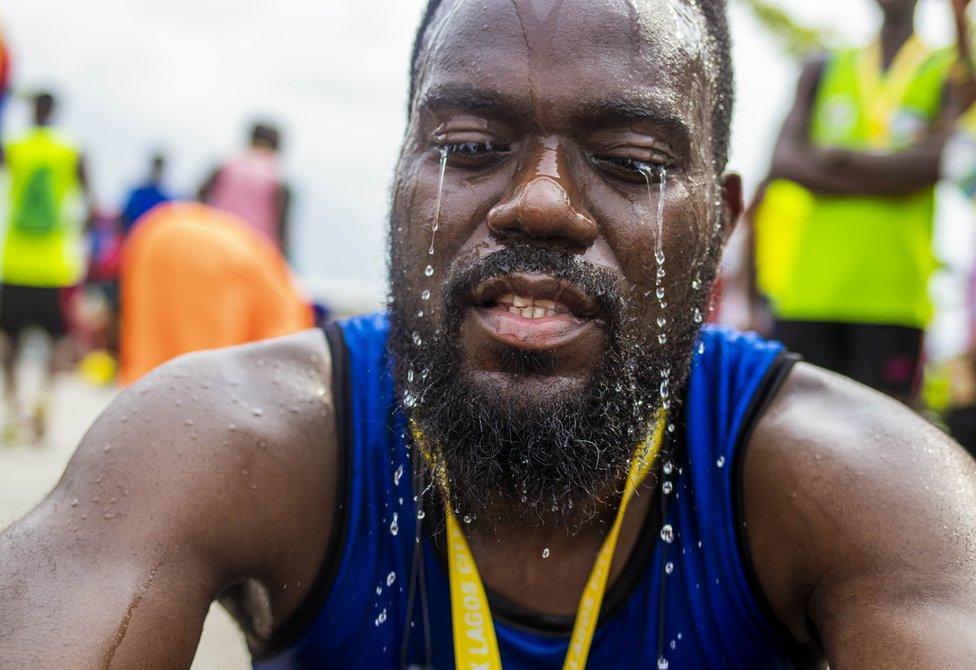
597, 282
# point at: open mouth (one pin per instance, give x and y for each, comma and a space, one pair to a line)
534, 311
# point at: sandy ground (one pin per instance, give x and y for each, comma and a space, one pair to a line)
27, 474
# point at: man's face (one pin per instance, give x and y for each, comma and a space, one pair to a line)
526, 239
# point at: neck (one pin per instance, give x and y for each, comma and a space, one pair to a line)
895, 31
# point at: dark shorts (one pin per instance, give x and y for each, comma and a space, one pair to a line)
23, 307
887, 358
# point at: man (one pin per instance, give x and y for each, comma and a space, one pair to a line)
251, 186
147, 195
42, 249
844, 233
791, 517
195, 278
5, 74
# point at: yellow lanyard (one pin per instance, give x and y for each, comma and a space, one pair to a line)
882, 93
475, 644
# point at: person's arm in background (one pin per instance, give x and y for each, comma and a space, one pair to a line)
86, 192
835, 171
284, 221
203, 193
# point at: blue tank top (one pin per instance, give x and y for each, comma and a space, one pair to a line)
692, 603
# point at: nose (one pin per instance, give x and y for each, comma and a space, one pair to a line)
544, 207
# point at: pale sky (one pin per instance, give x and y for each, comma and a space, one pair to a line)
188, 75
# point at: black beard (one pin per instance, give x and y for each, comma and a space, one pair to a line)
512, 456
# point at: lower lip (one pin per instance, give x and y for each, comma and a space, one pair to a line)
546, 332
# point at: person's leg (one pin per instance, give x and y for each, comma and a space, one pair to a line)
886, 358
11, 325
819, 342
50, 316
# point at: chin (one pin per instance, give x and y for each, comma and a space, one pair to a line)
527, 391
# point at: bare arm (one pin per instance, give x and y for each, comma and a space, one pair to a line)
862, 524
284, 221
203, 194
176, 495
86, 192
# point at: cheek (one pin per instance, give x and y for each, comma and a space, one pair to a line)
634, 237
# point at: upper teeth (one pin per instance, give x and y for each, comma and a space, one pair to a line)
530, 308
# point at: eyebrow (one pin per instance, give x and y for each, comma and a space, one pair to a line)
486, 101
599, 113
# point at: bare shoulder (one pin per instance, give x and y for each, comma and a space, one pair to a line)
206, 479
848, 494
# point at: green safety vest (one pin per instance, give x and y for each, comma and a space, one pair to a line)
43, 239
857, 259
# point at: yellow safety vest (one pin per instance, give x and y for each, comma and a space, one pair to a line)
857, 259
43, 240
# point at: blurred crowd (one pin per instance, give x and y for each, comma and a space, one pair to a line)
837, 261
117, 291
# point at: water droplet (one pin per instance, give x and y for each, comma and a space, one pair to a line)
701, 348
390, 578
440, 194
661, 322
421, 514
662, 663
410, 376
257, 411
661, 274
667, 487
673, 644
659, 256
394, 526
662, 338
417, 340
698, 316
379, 590
660, 293
467, 518
397, 475
429, 271
667, 533
668, 467
381, 618
669, 567
425, 373
320, 392
665, 391
696, 283
425, 295
545, 552
721, 461
420, 314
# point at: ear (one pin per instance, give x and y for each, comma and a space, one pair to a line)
733, 204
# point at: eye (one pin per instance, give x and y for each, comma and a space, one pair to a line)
629, 169
474, 154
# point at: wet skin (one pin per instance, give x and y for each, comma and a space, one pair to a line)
861, 518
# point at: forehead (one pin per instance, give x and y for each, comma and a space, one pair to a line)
561, 54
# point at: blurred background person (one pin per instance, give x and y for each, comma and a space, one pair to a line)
844, 230
5, 71
42, 250
194, 277
251, 185
146, 195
